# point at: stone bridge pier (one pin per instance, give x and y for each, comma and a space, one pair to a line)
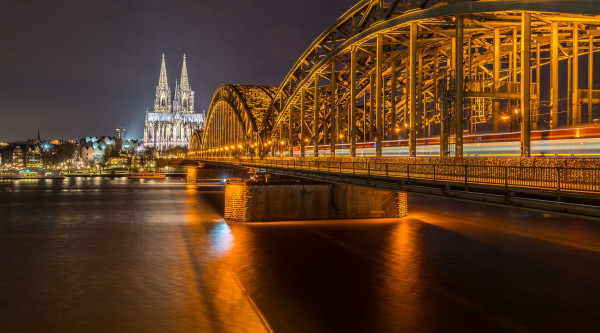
288, 199
205, 171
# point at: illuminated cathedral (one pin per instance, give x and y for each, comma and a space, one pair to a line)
172, 122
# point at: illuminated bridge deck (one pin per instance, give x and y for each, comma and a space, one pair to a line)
571, 191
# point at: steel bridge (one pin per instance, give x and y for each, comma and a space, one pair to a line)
388, 69
414, 70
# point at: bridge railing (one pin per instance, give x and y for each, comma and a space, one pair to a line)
544, 178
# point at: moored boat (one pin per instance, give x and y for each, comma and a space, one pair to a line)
31, 173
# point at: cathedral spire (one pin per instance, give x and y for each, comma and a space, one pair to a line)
162, 101
184, 76
162, 81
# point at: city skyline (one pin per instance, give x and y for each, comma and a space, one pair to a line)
95, 65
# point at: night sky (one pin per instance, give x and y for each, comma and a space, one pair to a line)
78, 68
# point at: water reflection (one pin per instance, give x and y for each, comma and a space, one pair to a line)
208, 241
437, 270
402, 288
100, 254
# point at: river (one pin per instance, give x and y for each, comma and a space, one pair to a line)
118, 255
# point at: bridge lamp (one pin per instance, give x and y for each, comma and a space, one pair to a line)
397, 129
270, 142
504, 117
282, 142
341, 136
306, 140
226, 148
516, 111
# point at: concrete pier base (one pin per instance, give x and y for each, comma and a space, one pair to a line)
210, 172
250, 201
192, 175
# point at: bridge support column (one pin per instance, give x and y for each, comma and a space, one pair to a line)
575, 72
459, 75
412, 94
333, 110
290, 140
352, 109
590, 77
302, 117
379, 96
535, 121
393, 93
497, 66
525, 84
316, 118
434, 76
248, 201
278, 139
554, 76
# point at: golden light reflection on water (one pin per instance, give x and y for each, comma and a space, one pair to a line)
209, 245
402, 286
547, 228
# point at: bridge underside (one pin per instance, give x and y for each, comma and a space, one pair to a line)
518, 187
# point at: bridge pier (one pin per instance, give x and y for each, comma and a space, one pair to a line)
289, 199
192, 175
212, 172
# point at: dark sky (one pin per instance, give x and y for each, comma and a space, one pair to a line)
77, 68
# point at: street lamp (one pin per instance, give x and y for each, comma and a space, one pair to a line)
281, 151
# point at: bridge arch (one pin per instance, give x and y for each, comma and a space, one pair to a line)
235, 120
196, 141
387, 70
353, 82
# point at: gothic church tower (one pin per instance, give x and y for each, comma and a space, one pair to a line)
162, 100
184, 96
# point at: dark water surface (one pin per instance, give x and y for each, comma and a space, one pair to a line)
114, 255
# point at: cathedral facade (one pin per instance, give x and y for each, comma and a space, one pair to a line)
172, 121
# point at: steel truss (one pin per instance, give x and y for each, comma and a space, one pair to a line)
388, 69
235, 119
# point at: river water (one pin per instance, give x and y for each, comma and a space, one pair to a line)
117, 255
